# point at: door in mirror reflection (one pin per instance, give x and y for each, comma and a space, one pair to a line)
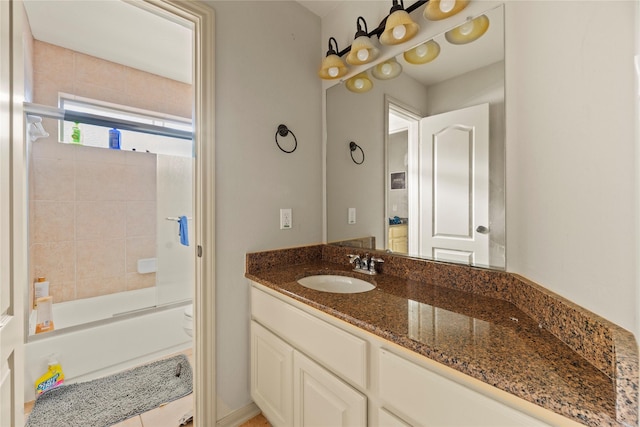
454, 186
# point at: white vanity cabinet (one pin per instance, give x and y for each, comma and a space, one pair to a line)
321, 399
310, 369
272, 375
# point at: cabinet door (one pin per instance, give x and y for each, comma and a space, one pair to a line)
321, 399
271, 376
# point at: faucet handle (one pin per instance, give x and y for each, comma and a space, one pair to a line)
372, 264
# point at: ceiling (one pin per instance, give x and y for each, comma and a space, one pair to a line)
320, 7
116, 31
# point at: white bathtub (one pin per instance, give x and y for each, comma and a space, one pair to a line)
91, 351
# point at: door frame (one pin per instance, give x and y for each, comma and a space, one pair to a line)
13, 148
412, 115
202, 18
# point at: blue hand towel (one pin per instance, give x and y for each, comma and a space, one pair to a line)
184, 230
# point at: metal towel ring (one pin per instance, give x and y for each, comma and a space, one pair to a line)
352, 147
284, 131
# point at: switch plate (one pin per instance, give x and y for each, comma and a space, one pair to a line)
285, 219
352, 216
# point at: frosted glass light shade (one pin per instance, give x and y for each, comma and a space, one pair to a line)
359, 83
423, 53
332, 68
387, 70
359, 46
399, 28
441, 9
469, 31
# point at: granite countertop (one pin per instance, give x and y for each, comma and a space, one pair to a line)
486, 338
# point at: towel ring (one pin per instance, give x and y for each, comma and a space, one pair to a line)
353, 147
283, 131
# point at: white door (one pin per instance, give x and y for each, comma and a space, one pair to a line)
12, 216
322, 400
454, 185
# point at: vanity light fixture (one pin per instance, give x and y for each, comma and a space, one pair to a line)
441, 9
423, 53
386, 70
470, 31
362, 50
399, 26
332, 66
359, 83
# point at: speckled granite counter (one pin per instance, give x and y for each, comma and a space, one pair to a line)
493, 326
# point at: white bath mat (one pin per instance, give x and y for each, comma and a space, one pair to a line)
110, 400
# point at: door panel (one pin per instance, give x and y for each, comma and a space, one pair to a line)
321, 399
454, 185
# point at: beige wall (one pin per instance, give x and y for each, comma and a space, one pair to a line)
92, 210
265, 75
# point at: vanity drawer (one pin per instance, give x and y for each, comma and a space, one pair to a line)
430, 399
337, 350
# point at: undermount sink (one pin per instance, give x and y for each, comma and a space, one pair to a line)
336, 284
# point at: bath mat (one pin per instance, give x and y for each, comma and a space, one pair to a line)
110, 400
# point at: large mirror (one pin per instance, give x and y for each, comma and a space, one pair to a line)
426, 175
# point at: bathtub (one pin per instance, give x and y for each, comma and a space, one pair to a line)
104, 335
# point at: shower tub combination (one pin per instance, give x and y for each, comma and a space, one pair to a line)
99, 336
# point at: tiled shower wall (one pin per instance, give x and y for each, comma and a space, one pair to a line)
93, 210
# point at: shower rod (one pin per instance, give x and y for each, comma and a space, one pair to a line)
93, 119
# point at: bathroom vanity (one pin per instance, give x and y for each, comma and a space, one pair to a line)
417, 351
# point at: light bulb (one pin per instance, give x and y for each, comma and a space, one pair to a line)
386, 69
447, 5
422, 50
363, 54
466, 28
333, 71
358, 84
399, 31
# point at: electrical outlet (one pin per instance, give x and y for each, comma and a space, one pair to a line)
352, 216
285, 219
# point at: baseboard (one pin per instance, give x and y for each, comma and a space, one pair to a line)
239, 416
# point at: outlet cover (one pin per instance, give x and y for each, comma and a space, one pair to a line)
285, 219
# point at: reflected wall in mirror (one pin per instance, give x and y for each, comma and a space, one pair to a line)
433, 183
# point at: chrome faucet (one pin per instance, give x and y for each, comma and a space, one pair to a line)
366, 264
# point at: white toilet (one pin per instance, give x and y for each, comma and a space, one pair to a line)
187, 320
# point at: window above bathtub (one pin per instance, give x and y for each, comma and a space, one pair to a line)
140, 130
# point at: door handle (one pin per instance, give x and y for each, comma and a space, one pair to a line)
482, 229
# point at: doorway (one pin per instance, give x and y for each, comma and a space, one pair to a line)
13, 218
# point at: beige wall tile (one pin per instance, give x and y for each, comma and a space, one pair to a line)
62, 291
98, 72
141, 218
55, 261
53, 179
140, 281
100, 155
100, 258
53, 221
100, 181
139, 248
101, 220
98, 286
